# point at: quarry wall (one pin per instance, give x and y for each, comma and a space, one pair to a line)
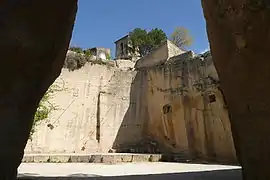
91, 107
186, 109
175, 106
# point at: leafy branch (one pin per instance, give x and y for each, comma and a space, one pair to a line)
45, 107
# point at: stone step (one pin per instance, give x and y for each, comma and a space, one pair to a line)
175, 157
110, 158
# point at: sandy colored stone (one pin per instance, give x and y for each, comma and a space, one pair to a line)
103, 108
35, 37
239, 38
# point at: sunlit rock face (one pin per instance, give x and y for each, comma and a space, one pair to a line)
170, 103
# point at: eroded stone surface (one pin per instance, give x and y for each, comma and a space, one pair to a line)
239, 39
172, 105
34, 39
111, 158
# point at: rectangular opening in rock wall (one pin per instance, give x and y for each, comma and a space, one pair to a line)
212, 98
167, 109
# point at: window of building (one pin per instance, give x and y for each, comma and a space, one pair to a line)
122, 48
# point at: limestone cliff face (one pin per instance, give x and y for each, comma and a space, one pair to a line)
186, 109
91, 106
174, 106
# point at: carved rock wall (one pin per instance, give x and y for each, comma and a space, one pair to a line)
186, 110
91, 106
172, 107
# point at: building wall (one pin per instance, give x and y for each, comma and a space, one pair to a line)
101, 52
124, 52
121, 50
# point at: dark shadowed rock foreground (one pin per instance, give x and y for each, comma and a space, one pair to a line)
35, 36
34, 39
239, 37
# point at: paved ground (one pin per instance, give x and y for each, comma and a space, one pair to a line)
131, 171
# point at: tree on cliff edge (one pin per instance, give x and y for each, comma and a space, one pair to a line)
181, 37
146, 41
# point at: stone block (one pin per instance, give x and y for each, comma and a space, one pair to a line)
110, 159
140, 158
28, 159
126, 158
154, 158
41, 158
121, 158
125, 64
60, 159
80, 159
96, 159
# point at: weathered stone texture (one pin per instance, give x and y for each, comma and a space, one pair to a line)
127, 108
195, 126
159, 55
101, 53
34, 39
106, 158
239, 38
92, 105
125, 65
123, 49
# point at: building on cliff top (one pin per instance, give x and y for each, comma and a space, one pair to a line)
123, 49
165, 50
99, 52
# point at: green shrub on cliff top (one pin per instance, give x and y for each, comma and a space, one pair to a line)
74, 61
76, 49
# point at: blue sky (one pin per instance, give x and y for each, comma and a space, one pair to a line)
100, 23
